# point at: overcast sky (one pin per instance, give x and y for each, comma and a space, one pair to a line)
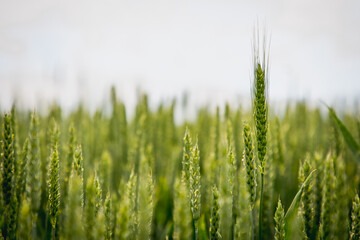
70, 50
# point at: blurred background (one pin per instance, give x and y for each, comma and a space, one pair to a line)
72, 51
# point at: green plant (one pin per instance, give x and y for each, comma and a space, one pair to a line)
182, 213
327, 214
108, 227
250, 167
280, 222
195, 185
355, 217
34, 167
79, 170
69, 164
54, 181
90, 208
306, 200
8, 180
186, 158
349, 139
215, 217
260, 111
249, 163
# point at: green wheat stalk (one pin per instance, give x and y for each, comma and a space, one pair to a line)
90, 208
54, 180
182, 213
146, 205
195, 185
132, 212
108, 227
355, 217
279, 222
8, 179
22, 176
98, 198
34, 166
250, 167
260, 111
327, 214
342, 195
69, 163
306, 200
73, 227
105, 172
214, 231
317, 195
78, 167
186, 158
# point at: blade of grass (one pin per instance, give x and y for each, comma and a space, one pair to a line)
349, 139
292, 210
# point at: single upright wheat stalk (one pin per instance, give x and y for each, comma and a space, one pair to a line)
108, 227
355, 217
8, 180
327, 216
182, 213
69, 163
98, 195
186, 158
215, 216
279, 222
7, 161
306, 200
54, 183
73, 226
34, 166
90, 208
22, 173
132, 213
249, 162
250, 167
146, 205
78, 167
195, 187
260, 111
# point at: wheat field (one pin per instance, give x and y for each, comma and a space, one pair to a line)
230, 173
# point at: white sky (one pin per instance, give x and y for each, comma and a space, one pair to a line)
70, 50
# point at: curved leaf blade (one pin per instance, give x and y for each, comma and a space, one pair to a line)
295, 202
349, 139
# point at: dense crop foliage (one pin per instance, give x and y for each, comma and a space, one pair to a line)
152, 179
237, 175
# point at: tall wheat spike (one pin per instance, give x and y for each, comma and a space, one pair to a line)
182, 213
195, 185
186, 158
69, 163
250, 168
215, 216
280, 222
108, 227
78, 167
327, 214
73, 226
8, 180
34, 166
305, 170
21, 177
355, 217
90, 208
54, 179
260, 111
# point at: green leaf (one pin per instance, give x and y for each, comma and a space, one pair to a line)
349, 139
295, 203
